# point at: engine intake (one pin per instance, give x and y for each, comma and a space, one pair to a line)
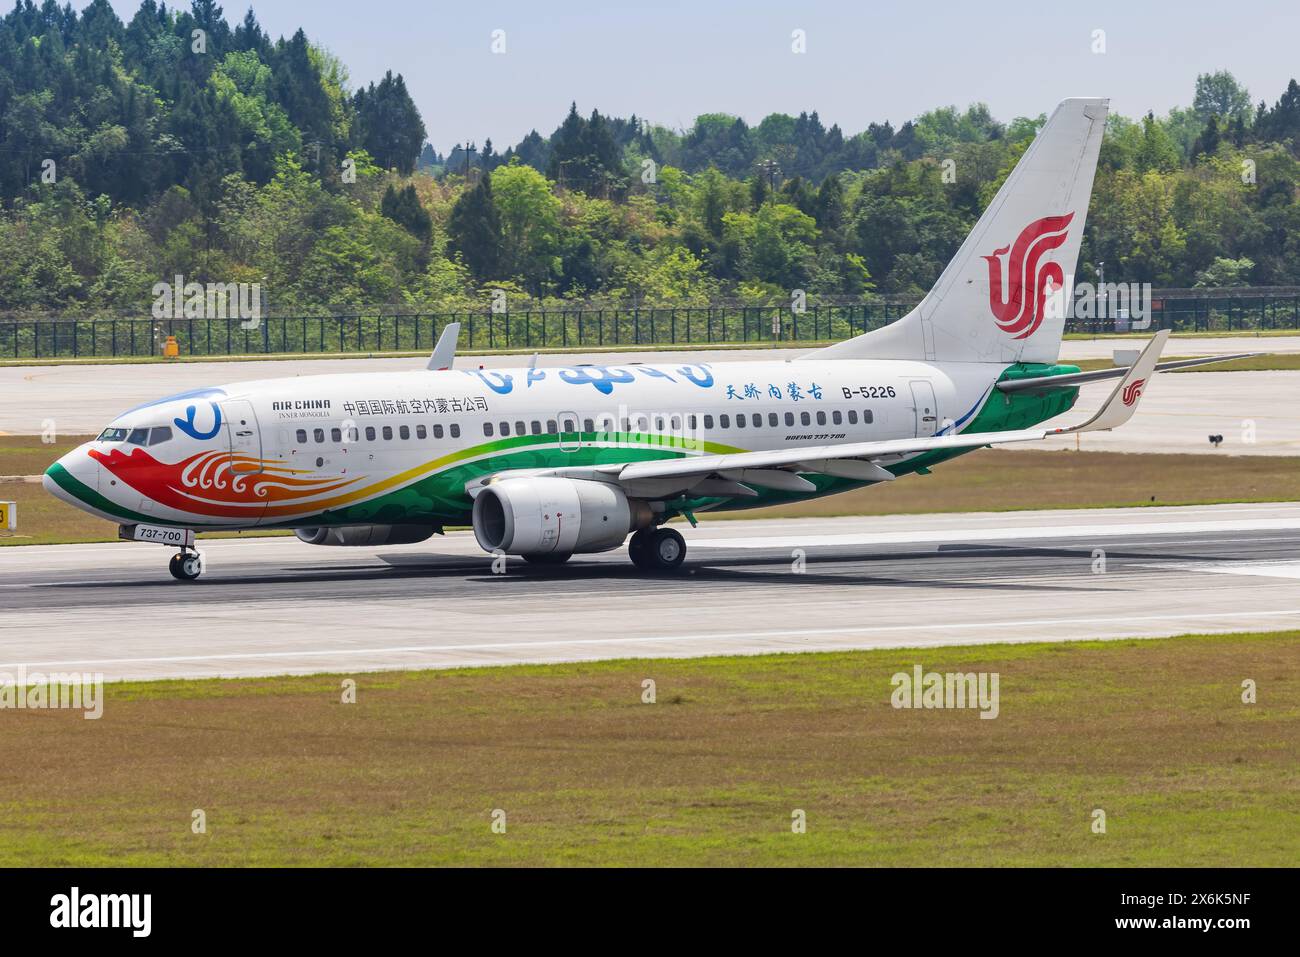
542, 516
362, 535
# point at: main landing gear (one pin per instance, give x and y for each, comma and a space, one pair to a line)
186, 566
657, 549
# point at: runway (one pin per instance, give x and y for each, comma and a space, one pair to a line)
277, 606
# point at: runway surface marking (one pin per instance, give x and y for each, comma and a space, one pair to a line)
1009, 533
737, 636
1279, 569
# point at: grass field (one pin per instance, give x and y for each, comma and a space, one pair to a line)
1154, 733
986, 480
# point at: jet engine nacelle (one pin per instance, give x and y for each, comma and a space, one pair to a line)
361, 535
543, 516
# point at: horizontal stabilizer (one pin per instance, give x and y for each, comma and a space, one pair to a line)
1046, 382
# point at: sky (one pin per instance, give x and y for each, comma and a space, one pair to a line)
669, 61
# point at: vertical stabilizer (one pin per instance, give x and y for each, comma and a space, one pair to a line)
992, 303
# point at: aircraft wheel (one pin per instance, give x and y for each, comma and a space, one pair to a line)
667, 549
185, 568
638, 548
657, 550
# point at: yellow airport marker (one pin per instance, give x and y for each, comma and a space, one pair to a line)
9, 516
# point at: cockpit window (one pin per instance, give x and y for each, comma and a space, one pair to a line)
138, 437
159, 435
112, 435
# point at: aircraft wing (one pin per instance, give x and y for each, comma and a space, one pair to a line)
734, 474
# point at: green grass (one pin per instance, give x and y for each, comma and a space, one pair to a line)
1152, 732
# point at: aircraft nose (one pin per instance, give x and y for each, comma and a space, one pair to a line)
74, 471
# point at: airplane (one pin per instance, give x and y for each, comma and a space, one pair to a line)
547, 463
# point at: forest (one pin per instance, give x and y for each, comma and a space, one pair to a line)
176, 144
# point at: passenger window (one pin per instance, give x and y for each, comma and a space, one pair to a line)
421, 432
536, 427
758, 421
866, 416
487, 429
724, 421
455, 431
821, 418
551, 427
388, 433
588, 425
437, 431
570, 426
773, 419
519, 429
318, 435
336, 436
302, 436
405, 432
370, 433
853, 416
708, 421
160, 435
659, 423
692, 422
789, 418
836, 417
805, 418
740, 421
505, 428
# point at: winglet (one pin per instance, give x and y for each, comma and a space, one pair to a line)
444, 353
1123, 402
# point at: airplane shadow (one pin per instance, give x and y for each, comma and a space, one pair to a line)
908, 570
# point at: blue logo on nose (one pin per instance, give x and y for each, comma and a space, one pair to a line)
186, 424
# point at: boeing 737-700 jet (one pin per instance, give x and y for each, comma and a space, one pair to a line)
546, 463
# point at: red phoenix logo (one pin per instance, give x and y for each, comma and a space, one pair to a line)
1133, 391
1016, 314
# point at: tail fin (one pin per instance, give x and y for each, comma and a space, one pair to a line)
990, 304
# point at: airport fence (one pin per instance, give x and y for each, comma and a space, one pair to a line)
381, 331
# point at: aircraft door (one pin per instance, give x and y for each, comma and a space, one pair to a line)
926, 408
244, 436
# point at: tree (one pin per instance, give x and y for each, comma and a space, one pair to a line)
403, 207
475, 230
1219, 95
388, 125
530, 225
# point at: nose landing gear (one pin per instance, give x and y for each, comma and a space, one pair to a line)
186, 566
